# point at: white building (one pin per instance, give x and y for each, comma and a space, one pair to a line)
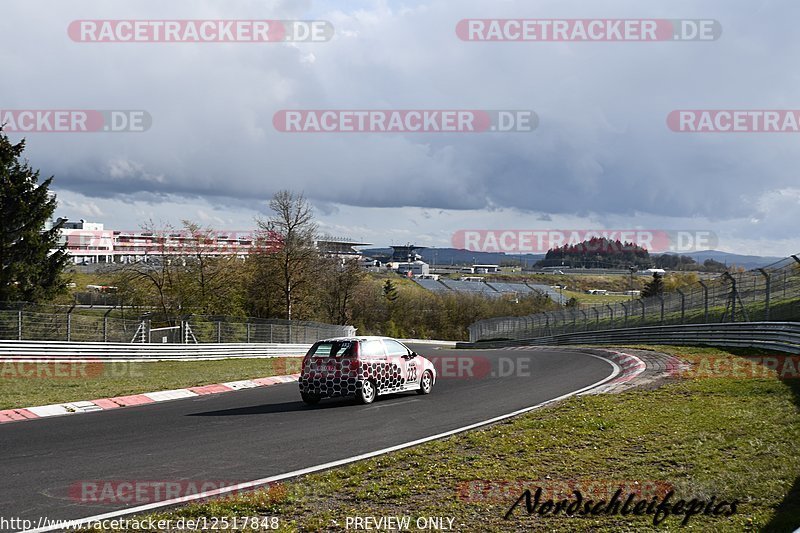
486, 269
415, 268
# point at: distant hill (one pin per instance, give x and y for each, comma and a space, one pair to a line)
453, 256
745, 261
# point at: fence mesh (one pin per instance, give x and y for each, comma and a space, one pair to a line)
21, 321
771, 293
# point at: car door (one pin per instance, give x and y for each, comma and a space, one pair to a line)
399, 354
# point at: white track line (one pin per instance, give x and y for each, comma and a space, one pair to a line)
72, 524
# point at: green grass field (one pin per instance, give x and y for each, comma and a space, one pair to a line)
32, 384
736, 439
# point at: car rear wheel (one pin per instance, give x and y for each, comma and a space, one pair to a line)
425, 383
367, 393
310, 399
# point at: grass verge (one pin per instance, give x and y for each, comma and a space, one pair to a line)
31, 384
736, 439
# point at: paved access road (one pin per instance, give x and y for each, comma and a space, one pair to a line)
257, 433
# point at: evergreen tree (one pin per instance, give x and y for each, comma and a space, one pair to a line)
28, 270
654, 287
389, 291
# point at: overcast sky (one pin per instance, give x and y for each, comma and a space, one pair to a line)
601, 157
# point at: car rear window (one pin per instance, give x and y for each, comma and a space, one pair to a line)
332, 349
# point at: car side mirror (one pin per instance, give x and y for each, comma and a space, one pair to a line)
412, 355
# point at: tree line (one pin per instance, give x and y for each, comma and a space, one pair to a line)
285, 276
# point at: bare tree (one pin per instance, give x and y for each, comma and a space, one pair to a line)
339, 285
155, 277
189, 270
211, 281
296, 258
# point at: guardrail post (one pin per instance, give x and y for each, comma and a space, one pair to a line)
768, 279
705, 300
683, 305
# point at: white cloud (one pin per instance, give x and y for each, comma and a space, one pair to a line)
602, 150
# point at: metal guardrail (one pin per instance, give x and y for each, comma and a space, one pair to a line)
60, 350
779, 336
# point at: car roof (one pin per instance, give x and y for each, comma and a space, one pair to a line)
361, 338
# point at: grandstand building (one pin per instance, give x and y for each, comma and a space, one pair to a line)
406, 254
89, 242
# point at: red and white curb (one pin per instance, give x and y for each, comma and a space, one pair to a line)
105, 404
630, 368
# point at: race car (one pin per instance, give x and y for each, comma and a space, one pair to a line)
364, 367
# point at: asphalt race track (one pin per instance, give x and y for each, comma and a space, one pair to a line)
257, 433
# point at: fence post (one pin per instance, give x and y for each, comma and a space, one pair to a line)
19, 323
219, 331
270, 333
625, 307
612, 314
705, 300
597, 316
683, 304
733, 294
768, 279
641, 302
69, 323
661, 300
248, 332
105, 324
585, 320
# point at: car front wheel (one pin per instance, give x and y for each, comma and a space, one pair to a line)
426, 383
367, 392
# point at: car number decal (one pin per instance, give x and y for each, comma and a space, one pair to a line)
411, 372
